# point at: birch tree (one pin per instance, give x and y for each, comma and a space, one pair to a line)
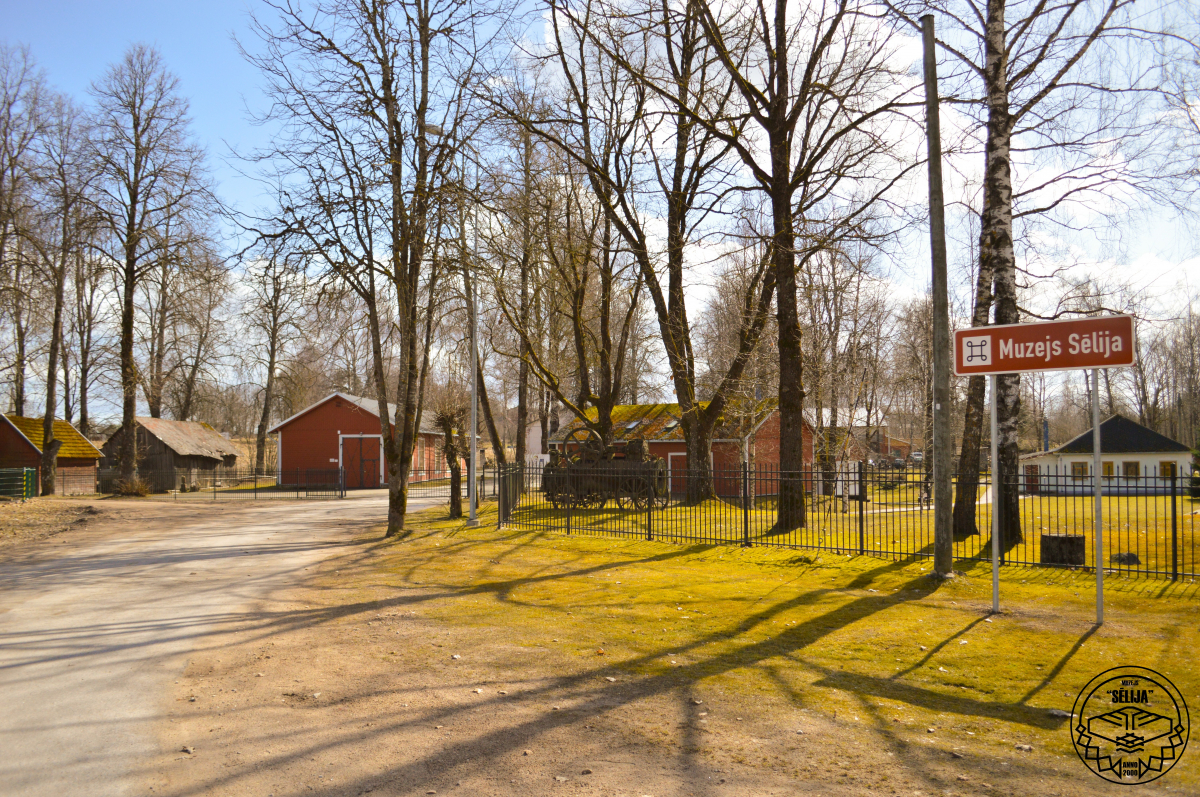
1066, 98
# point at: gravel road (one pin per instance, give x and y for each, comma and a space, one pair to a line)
92, 634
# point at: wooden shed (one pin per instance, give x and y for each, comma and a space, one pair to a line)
343, 432
164, 445
21, 447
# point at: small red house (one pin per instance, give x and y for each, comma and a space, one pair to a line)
342, 431
20, 447
743, 433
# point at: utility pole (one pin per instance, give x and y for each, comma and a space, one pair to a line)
472, 311
943, 540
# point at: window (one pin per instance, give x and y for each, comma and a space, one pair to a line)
1131, 470
1108, 470
1166, 469
1079, 470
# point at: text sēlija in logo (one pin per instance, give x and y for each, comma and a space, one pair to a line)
1130, 725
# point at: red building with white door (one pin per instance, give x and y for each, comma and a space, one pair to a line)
744, 432
343, 431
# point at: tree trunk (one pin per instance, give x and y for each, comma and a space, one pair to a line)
968, 461
489, 420
996, 247
20, 324
127, 453
792, 510
260, 442
50, 446
526, 263
699, 478
544, 419
156, 379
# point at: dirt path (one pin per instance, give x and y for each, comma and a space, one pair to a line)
95, 627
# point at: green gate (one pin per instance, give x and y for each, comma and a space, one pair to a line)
20, 483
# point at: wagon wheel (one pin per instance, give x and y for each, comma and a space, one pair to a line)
594, 493
634, 493
582, 437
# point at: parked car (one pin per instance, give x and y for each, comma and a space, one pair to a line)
898, 463
916, 457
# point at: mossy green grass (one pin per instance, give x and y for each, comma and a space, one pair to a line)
798, 633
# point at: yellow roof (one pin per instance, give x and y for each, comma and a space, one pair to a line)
74, 445
661, 421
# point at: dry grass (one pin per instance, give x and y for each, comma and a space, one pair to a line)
22, 521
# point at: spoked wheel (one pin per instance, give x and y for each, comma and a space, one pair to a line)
634, 494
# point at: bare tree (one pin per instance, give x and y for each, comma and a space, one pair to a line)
636, 77
816, 83
198, 331
57, 234
22, 100
151, 175
1063, 94
273, 312
375, 100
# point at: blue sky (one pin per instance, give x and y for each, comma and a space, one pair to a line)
75, 41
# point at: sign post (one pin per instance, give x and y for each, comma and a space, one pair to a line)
993, 463
1080, 343
1097, 492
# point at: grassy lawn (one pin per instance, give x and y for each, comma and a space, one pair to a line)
871, 656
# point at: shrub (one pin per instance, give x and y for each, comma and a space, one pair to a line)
132, 487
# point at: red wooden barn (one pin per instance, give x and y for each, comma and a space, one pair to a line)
21, 447
342, 431
743, 431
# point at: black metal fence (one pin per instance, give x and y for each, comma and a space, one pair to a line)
230, 483
437, 484
1149, 527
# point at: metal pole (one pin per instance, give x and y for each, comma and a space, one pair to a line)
862, 505
1097, 492
1174, 526
649, 511
745, 504
943, 533
995, 504
473, 498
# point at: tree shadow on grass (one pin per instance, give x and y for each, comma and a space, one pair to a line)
591, 695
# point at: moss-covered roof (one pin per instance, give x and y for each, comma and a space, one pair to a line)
661, 421
74, 445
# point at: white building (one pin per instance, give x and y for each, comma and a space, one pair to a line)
1133, 460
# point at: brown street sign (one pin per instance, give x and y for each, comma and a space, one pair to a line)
1103, 342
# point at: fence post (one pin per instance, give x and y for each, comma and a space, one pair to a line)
500, 506
862, 495
745, 504
256, 484
569, 503
650, 511
1174, 527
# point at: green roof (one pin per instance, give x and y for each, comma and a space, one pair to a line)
74, 445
